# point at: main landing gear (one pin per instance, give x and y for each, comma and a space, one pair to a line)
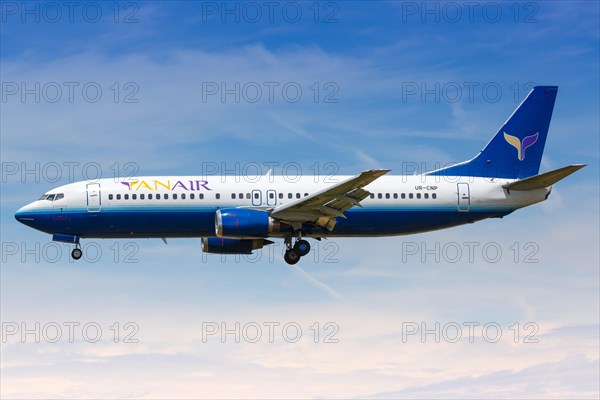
293, 253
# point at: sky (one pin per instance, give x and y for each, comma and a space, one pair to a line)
498, 309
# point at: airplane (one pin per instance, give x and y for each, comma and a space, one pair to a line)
237, 216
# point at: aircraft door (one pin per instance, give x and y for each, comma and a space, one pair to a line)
464, 197
94, 203
256, 198
271, 197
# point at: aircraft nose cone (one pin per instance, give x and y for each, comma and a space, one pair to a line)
22, 216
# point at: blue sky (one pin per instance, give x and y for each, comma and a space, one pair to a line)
383, 84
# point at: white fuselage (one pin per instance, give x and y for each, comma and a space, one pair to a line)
184, 206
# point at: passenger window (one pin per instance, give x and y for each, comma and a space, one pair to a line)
192, 195
157, 196
410, 195
118, 197
271, 195
403, 195
241, 196
218, 196
305, 194
142, 196
182, 196
281, 195
379, 196
126, 196
290, 195
433, 196
418, 195
426, 195
387, 195
174, 196
248, 196
166, 196
372, 195
134, 196
110, 196
256, 195
395, 195
233, 195
297, 195
149, 196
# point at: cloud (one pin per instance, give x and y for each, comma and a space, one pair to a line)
538, 381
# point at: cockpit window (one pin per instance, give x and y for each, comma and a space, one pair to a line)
52, 197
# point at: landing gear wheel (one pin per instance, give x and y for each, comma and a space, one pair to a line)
291, 257
76, 253
302, 247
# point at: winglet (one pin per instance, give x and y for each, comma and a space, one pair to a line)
543, 180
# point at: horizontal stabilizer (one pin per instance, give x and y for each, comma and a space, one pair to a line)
543, 180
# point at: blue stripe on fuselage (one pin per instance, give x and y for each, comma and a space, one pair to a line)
199, 222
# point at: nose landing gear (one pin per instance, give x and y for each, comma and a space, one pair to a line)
76, 253
71, 239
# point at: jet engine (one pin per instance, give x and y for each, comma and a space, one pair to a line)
232, 246
243, 223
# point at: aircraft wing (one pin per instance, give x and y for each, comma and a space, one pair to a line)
323, 207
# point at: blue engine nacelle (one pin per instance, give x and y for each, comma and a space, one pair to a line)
246, 223
232, 246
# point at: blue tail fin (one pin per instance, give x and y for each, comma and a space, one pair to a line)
516, 149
